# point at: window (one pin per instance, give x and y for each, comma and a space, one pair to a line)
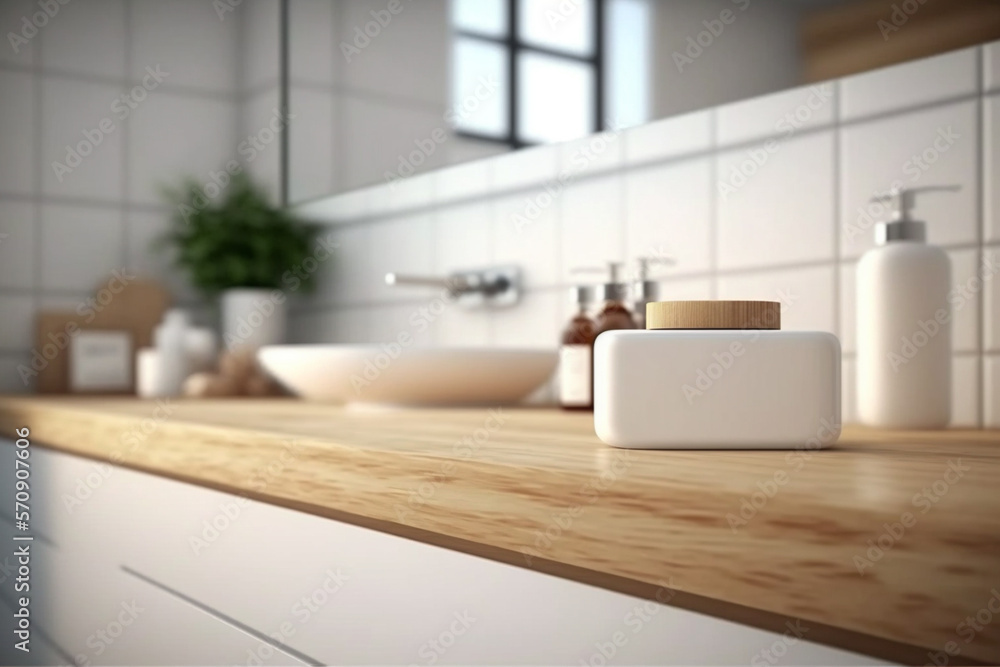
527, 71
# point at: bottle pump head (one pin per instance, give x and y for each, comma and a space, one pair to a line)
612, 290
644, 289
903, 227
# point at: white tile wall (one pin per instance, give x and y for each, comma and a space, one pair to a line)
781, 211
910, 84
526, 167
669, 215
526, 232
80, 246
991, 370
11, 379
655, 189
313, 53
401, 245
965, 325
312, 145
13, 14
990, 272
471, 179
965, 402
143, 229
60, 239
16, 326
259, 56
938, 146
17, 108
18, 221
991, 66
72, 114
690, 133
806, 295
265, 165
187, 39
88, 38
592, 235
399, 127
780, 114
417, 52
991, 167
462, 237
172, 136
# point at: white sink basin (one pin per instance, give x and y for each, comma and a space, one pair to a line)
416, 376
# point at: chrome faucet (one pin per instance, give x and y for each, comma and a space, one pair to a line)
493, 287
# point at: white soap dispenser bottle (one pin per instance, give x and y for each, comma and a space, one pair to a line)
904, 323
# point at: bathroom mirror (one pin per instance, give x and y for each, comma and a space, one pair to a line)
384, 89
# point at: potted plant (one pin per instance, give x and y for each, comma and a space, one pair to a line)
243, 251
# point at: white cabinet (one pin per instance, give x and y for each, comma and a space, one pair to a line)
340, 594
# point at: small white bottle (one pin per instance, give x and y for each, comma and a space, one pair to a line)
904, 324
170, 339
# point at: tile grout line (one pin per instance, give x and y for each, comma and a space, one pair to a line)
714, 212
979, 179
126, 179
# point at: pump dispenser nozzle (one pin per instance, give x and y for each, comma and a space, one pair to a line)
613, 289
903, 227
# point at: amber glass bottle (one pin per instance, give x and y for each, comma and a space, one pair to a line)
576, 353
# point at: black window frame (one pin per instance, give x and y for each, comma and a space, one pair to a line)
515, 46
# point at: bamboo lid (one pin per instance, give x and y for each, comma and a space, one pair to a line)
713, 315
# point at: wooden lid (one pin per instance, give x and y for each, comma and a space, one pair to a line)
713, 315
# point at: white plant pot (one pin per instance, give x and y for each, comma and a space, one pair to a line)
253, 317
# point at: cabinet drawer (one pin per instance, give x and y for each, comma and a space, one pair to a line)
343, 594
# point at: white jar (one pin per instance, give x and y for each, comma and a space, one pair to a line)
716, 375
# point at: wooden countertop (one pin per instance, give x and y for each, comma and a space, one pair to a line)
537, 489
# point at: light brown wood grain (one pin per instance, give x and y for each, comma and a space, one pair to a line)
539, 490
713, 315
